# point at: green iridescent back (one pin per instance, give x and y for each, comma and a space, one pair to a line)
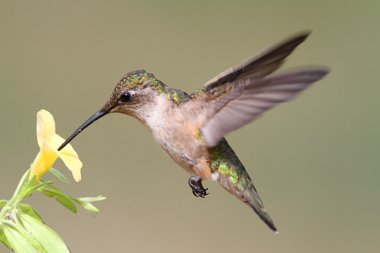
225, 161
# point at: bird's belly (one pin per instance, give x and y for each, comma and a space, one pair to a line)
189, 153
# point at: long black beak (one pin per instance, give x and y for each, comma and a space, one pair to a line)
88, 122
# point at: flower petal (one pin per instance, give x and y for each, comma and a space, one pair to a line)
72, 161
42, 163
49, 141
45, 127
68, 156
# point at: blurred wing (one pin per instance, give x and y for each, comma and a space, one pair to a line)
261, 65
248, 98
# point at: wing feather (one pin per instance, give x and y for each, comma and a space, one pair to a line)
248, 98
260, 65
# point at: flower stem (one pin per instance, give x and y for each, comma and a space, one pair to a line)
17, 196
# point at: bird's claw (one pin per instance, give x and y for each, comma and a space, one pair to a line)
196, 186
200, 192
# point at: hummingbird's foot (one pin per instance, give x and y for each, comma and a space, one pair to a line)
196, 186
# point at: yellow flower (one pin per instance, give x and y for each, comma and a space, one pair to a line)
49, 141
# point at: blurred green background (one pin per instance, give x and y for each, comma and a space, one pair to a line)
315, 160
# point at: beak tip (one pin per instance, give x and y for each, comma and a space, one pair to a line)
62, 146
88, 122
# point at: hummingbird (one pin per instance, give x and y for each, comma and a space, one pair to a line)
191, 128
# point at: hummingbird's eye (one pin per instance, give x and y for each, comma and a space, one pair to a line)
125, 97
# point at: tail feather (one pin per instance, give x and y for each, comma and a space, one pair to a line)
244, 190
254, 201
231, 174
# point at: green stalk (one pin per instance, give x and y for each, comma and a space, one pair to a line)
17, 196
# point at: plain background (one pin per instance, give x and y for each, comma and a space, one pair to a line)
315, 161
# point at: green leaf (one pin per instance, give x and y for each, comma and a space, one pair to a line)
3, 238
18, 242
29, 210
44, 235
86, 203
59, 175
88, 206
28, 181
62, 198
92, 199
32, 188
24, 183
18, 226
3, 202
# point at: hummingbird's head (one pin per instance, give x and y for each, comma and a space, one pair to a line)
135, 95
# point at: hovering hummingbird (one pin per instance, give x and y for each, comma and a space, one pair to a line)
191, 128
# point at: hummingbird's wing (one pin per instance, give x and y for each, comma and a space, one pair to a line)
237, 103
261, 65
